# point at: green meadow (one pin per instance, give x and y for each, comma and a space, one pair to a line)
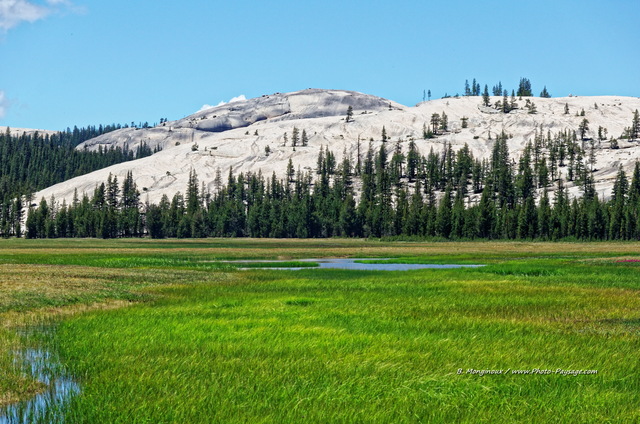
175, 332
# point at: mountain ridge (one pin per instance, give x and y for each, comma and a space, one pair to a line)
236, 135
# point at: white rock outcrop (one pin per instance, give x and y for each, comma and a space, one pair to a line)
238, 135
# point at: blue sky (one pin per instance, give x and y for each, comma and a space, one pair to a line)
85, 62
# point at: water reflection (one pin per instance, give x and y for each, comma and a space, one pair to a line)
351, 263
45, 367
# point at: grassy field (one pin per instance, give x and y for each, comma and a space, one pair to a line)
161, 331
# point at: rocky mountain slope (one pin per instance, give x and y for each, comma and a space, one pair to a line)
249, 136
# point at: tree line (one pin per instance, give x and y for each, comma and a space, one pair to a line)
475, 89
31, 162
388, 191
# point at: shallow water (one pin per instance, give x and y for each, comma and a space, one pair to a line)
44, 407
350, 263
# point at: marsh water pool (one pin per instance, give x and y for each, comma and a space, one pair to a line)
357, 264
45, 367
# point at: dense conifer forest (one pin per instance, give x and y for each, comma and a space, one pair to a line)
31, 162
391, 191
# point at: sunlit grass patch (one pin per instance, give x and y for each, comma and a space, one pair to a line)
382, 344
200, 344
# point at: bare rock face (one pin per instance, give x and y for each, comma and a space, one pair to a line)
255, 135
305, 104
237, 114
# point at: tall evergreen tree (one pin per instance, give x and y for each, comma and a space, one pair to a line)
193, 197
295, 137
635, 125
583, 128
486, 100
435, 122
349, 114
443, 220
524, 88
544, 93
617, 205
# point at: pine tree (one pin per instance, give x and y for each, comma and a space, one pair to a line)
544, 93
443, 219
290, 171
193, 199
413, 221
401, 211
544, 217
583, 128
501, 172
397, 165
596, 225
635, 125
154, 221
349, 113
524, 88
348, 219
112, 192
413, 159
617, 205
634, 188
632, 215
497, 89
613, 144
458, 213
527, 219
320, 164
295, 137
506, 107
444, 122
130, 221
486, 100
435, 122
543, 172
524, 179
486, 214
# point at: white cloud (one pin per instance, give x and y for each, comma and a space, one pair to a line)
235, 99
4, 104
14, 12
205, 107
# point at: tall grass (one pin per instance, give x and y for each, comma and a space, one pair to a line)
353, 346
